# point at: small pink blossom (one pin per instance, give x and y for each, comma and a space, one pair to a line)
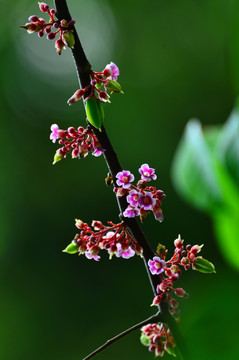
124, 179
111, 70
131, 212
146, 201
157, 265
54, 134
125, 254
133, 198
89, 255
147, 173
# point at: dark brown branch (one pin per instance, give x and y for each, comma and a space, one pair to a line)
151, 319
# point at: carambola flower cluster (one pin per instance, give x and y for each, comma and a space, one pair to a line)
114, 238
141, 198
158, 338
169, 271
80, 141
105, 79
52, 28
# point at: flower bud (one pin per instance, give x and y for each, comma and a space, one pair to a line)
178, 243
51, 36
79, 224
43, 6
33, 18
180, 292
196, 249
59, 45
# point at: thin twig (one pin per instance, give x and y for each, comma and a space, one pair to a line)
151, 319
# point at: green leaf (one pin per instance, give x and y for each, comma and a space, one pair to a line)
95, 112
203, 266
72, 248
193, 169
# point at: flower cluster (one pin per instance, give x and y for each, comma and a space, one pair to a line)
51, 28
100, 83
169, 271
115, 239
143, 198
80, 141
158, 338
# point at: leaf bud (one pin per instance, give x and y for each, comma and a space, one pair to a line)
69, 39
203, 265
72, 248
114, 86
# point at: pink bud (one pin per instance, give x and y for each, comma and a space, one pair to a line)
33, 18
43, 7
196, 249
41, 34
51, 36
178, 243
180, 292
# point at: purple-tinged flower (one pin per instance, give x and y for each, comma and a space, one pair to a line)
146, 201
89, 255
133, 198
125, 254
124, 179
131, 212
147, 173
111, 70
157, 265
54, 134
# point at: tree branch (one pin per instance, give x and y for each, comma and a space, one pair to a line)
151, 319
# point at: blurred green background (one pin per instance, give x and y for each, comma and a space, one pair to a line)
178, 60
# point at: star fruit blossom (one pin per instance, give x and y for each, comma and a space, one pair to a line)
143, 198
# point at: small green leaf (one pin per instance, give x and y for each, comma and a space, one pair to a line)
95, 112
144, 340
72, 248
203, 266
57, 158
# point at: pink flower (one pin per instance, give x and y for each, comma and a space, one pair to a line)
146, 201
124, 179
147, 173
111, 70
125, 254
156, 266
89, 255
131, 212
133, 198
54, 134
